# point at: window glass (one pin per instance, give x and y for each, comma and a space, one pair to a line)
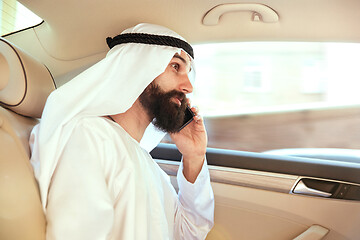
261, 96
14, 16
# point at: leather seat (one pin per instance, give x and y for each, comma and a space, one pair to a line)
24, 87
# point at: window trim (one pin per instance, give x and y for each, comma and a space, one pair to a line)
307, 167
21, 30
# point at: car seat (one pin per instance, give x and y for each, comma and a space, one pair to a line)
24, 87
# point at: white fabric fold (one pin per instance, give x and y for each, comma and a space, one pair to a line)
196, 215
108, 187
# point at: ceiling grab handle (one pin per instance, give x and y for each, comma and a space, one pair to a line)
261, 12
315, 232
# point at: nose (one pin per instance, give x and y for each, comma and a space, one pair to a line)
186, 86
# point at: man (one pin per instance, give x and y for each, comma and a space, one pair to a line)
96, 181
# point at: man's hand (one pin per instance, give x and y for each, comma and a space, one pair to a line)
191, 142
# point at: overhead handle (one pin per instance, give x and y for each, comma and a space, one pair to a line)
260, 12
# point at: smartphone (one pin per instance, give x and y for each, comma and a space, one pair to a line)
189, 116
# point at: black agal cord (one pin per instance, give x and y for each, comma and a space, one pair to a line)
150, 39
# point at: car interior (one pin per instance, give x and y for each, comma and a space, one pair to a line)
308, 193
26, 85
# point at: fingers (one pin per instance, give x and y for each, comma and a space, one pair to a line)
198, 118
195, 110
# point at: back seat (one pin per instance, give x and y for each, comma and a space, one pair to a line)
24, 87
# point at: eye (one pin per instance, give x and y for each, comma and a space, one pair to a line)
176, 66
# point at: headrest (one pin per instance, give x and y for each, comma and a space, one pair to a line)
25, 83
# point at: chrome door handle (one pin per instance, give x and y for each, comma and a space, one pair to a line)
301, 188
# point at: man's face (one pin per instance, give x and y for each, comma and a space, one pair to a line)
164, 99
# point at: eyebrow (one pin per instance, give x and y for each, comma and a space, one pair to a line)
182, 59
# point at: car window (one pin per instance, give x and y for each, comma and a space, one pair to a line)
14, 16
260, 96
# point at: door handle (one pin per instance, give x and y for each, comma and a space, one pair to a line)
315, 232
301, 188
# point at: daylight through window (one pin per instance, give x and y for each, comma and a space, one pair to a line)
14, 16
260, 96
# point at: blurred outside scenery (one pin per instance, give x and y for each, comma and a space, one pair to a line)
260, 96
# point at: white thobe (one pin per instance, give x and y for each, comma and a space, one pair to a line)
106, 186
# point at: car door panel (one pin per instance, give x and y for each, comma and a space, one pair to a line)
254, 204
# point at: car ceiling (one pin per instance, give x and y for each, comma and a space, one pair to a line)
77, 29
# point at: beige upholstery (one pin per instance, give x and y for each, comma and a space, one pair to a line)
24, 82
24, 87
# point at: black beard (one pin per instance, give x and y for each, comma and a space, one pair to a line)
163, 112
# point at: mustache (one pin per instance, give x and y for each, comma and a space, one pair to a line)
174, 93
158, 92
